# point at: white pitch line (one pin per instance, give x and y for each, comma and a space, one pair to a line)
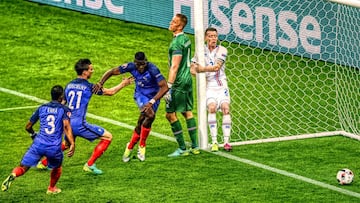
17, 108
288, 174
226, 155
19, 94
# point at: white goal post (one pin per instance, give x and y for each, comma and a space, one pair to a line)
353, 3
293, 68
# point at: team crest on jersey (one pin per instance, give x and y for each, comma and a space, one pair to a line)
226, 92
140, 83
124, 66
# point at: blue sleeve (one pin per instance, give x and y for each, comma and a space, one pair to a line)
155, 72
67, 113
127, 67
35, 117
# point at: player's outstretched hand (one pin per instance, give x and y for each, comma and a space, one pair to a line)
96, 88
71, 150
127, 81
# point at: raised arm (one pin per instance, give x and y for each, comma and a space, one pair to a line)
97, 87
125, 82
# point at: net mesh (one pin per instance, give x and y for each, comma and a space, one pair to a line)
277, 92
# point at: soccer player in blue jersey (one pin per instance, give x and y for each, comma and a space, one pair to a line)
54, 120
150, 87
78, 93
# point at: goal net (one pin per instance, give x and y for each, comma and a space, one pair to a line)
292, 68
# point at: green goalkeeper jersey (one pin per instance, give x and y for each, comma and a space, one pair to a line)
181, 45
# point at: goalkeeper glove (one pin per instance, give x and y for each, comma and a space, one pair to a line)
33, 135
167, 96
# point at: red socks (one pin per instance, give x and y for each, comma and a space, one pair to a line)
63, 146
134, 139
98, 151
55, 175
143, 135
19, 171
44, 161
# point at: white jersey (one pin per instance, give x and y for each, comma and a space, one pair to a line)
218, 78
216, 88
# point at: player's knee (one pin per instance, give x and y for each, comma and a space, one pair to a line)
150, 115
187, 114
171, 117
107, 135
212, 110
225, 108
168, 116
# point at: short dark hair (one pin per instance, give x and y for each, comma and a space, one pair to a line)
183, 19
56, 92
140, 56
81, 65
210, 29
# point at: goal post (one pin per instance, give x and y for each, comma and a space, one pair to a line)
352, 3
292, 68
200, 78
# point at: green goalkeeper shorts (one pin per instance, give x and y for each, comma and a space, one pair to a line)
181, 101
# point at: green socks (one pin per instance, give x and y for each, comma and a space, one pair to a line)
178, 133
191, 125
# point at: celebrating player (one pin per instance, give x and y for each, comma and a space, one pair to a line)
54, 120
78, 94
217, 91
150, 87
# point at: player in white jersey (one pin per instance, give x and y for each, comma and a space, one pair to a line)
217, 91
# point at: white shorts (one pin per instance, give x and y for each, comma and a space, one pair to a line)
218, 95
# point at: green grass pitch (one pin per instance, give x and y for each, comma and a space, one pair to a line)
39, 46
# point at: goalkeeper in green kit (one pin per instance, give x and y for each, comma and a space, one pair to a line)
179, 98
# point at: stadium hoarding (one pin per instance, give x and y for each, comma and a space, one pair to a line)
313, 29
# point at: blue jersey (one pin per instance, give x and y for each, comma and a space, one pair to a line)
146, 82
51, 116
78, 94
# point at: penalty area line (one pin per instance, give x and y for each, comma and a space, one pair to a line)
223, 154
